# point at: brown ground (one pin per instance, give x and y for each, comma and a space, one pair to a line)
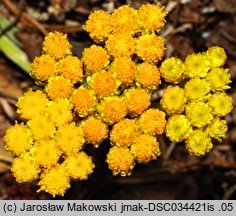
192, 26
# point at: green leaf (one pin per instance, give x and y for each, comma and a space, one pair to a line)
10, 46
4, 23
14, 53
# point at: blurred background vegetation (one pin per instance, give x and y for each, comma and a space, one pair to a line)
192, 26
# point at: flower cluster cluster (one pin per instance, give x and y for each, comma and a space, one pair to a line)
197, 101
123, 86
49, 145
105, 94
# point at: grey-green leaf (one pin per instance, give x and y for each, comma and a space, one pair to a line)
14, 53
10, 46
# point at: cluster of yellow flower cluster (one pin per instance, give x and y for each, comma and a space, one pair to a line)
107, 94
110, 68
198, 102
49, 145
85, 101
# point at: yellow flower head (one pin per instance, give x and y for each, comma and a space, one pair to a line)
172, 70
95, 58
152, 17
218, 78
58, 87
145, 148
112, 109
152, 122
103, 83
120, 161
198, 143
124, 68
79, 166
178, 128
56, 45
41, 128
196, 89
32, 104
71, 68
173, 100
150, 48
60, 111
25, 169
84, 101
120, 45
18, 139
98, 25
216, 55
95, 131
54, 181
46, 153
137, 100
69, 138
124, 133
217, 129
148, 76
196, 65
221, 104
199, 114
43, 67
124, 20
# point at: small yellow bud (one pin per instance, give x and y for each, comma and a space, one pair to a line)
25, 169
112, 109
152, 17
84, 101
95, 131
120, 45
221, 104
103, 83
60, 111
196, 89
69, 138
196, 65
31, 104
95, 58
120, 161
137, 100
54, 181
172, 70
124, 133
56, 45
125, 20
173, 100
147, 76
46, 153
98, 25
71, 68
58, 87
145, 148
198, 143
79, 166
178, 128
217, 129
216, 55
41, 128
150, 48
218, 78
124, 69
152, 122
43, 67
18, 139
199, 114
